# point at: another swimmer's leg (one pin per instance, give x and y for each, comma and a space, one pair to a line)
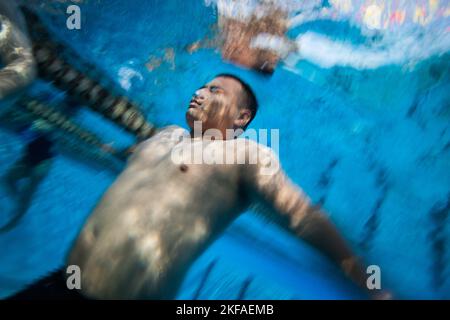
37, 174
18, 171
17, 55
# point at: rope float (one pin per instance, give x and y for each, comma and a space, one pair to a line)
53, 67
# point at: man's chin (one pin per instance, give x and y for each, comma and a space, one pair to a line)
190, 119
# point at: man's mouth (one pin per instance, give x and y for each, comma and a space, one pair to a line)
194, 104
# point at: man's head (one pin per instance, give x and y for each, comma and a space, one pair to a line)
226, 102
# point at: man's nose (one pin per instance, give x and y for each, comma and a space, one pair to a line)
199, 95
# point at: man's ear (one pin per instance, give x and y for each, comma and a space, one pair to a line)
243, 118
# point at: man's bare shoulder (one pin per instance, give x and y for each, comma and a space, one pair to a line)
162, 141
249, 145
168, 130
172, 132
259, 155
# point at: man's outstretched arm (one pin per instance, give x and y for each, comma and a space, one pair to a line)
275, 191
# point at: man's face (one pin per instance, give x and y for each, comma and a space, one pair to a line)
216, 104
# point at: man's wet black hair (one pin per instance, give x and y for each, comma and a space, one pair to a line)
249, 99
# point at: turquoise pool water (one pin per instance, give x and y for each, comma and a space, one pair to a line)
371, 141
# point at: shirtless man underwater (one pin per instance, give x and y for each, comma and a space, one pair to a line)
161, 214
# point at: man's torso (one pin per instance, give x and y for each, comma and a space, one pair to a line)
155, 219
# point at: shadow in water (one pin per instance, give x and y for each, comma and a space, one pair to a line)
205, 277
244, 288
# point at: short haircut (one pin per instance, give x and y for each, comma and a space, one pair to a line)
248, 100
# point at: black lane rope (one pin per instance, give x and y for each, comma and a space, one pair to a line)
53, 67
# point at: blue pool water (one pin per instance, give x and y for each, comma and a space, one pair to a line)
373, 143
